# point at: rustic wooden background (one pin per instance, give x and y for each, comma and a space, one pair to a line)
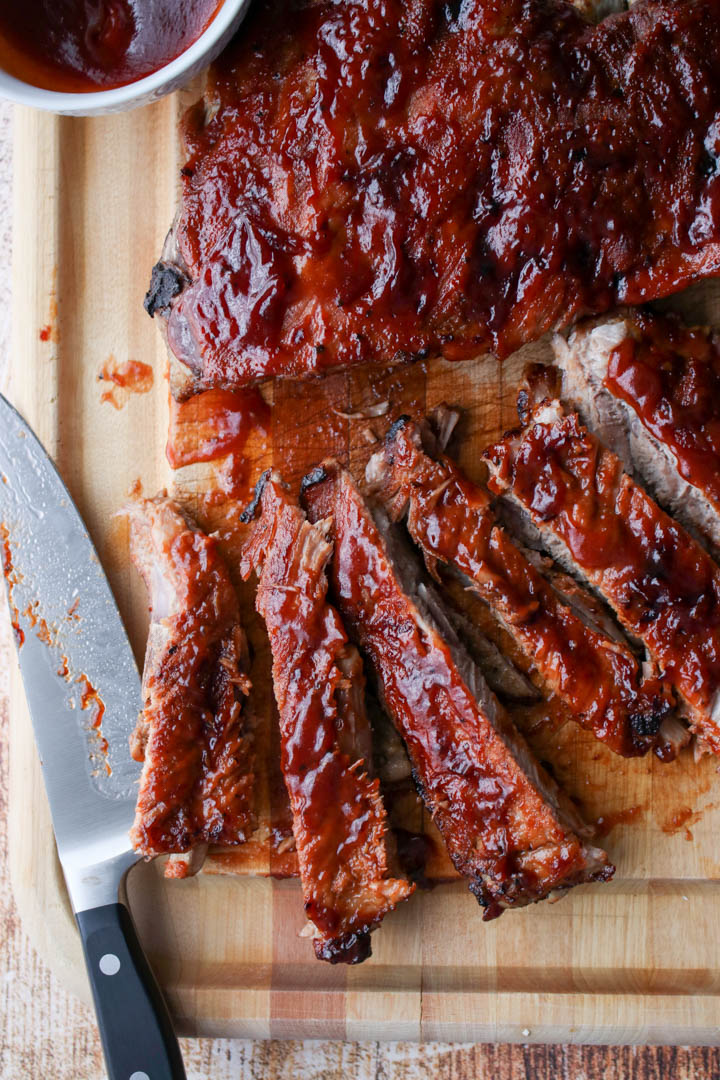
46, 1034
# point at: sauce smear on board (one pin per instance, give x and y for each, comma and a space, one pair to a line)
78, 46
131, 376
211, 425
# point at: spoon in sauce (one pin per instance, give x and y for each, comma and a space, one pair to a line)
80, 46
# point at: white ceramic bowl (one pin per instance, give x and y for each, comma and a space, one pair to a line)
171, 77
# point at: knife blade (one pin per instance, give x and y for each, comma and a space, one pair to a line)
84, 695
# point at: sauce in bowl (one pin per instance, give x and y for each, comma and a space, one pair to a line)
77, 46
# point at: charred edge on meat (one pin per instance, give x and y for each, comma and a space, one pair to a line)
396, 426
251, 509
649, 724
350, 949
166, 282
315, 476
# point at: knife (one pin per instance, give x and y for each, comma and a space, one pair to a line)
84, 695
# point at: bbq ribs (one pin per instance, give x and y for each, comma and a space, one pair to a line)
339, 820
383, 180
573, 656
507, 826
196, 786
573, 498
648, 386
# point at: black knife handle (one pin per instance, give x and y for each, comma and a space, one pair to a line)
135, 1027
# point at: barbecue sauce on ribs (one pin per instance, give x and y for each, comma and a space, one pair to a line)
669, 374
388, 180
453, 522
507, 827
663, 586
196, 786
339, 821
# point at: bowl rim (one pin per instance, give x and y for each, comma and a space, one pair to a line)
24, 93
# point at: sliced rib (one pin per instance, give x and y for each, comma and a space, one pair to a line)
507, 827
196, 786
453, 522
662, 585
649, 388
339, 820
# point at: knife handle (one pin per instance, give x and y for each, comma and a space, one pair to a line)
135, 1027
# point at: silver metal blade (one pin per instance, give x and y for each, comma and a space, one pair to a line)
81, 681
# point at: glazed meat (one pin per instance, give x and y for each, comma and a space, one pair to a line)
662, 585
453, 522
649, 388
383, 180
339, 820
507, 827
196, 786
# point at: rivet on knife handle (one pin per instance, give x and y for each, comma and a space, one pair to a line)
135, 1027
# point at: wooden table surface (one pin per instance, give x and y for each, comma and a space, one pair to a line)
46, 1034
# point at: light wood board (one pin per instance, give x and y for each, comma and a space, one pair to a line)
637, 960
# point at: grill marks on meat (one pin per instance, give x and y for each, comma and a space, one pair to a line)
376, 181
196, 786
453, 522
663, 586
649, 387
339, 821
506, 825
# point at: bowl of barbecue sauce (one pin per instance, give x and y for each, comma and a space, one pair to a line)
96, 56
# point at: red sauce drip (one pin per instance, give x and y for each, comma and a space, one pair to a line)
90, 698
132, 376
11, 577
6, 553
35, 620
230, 482
630, 816
78, 46
214, 424
680, 820
45, 333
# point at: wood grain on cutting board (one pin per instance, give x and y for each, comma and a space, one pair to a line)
637, 960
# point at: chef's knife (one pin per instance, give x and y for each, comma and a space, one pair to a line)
83, 692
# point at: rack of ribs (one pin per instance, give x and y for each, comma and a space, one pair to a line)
196, 786
453, 522
507, 827
648, 386
573, 498
339, 820
373, 182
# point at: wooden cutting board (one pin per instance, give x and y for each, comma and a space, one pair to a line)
637, 960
